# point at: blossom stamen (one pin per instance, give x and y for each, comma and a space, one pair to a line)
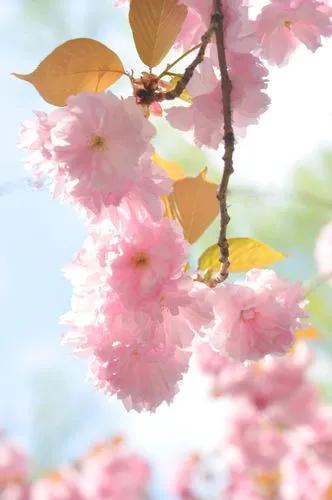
140, 260
98, 143
248, 314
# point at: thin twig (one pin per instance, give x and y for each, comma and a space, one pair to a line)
188, 74
148, 96
229, 139
174, 63
321, 279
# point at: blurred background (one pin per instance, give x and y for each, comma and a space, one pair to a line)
281, 194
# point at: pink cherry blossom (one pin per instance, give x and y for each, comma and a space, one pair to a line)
316, 437
204, 115
60, 485
244, 485
283, 24
15, 491
83, 151
135, 357
256, 317
192, 30
251, 440
210, 361
135, 308
13, 471
280, 388
276, 386
13, 461
143, 257
140, 375
229, 377
304, 477
323, 253
239, 29
113, 473
200, 477
181, 484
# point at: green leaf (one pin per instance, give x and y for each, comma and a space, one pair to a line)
244, 254
185, 96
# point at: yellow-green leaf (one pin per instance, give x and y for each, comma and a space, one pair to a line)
244, 254
247, 253
155, 25
172, 168
75, 66
185, 96
193, 204
209, 260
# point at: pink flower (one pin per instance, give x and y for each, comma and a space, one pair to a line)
35, 136
13, 471
277, 387
90, 136
181, 484
13, 462
210, 361
244, 485
15, 491
304, 477
280, 388
229, 377
283, 24
316, 436
204, 115
141, 375
143, 257
251, 440
323, 252
257, 317
133, 356
60, 485
192, 30
140, 263
239, 30
200, 477
134, 308
143, 190
113, 473
95, 151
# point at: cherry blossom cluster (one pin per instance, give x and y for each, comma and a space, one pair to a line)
136, 308
109, 471
270, 37
277, 434
95, 152
250, 42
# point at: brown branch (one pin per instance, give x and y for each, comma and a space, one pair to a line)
229, 139
188, 74
149, 95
